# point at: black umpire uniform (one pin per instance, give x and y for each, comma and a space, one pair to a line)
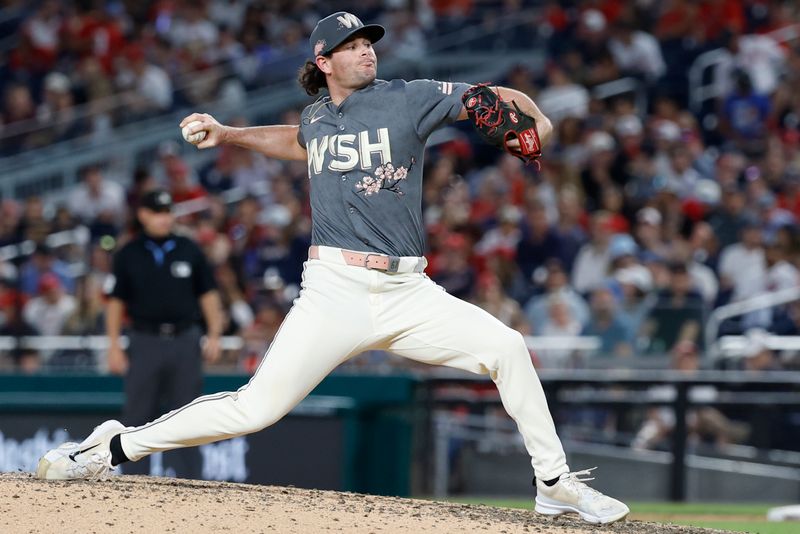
161, 280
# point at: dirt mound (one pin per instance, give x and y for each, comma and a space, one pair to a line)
138, 504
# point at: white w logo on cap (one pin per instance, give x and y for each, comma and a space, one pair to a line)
349, 20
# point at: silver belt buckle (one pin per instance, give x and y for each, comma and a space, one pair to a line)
394, 263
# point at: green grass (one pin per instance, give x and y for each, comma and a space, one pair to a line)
753, 527
680, 514
700, 508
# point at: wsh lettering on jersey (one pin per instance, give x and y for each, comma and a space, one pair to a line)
345, 152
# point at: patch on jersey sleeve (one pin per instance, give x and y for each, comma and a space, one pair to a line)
446, 88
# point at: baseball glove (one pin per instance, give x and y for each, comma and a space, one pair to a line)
498, 122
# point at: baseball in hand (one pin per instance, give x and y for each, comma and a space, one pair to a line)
193, 138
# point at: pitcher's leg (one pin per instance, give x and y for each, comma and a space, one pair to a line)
437, 328
324, 328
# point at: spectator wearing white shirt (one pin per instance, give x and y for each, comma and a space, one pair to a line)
682, 177
742, 265
758, 55
593, 259
149, 87
559, 323
48, 311
556, 285
666, 134
505, 236
636, 52
562, 97
97, 195
781, 274
193, 28
228, 13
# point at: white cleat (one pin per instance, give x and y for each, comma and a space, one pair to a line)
571, 495
89, 459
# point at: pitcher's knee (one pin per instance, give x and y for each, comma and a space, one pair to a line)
508, 347
512, 344
266, 416
257, 414
511, 348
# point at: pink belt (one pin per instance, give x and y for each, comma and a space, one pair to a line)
379, 262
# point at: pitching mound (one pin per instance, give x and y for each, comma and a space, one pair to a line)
138, 504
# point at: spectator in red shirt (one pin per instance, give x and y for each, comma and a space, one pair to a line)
677, 19
720, 15
181, 185
612, 201
42, 33
94, 32
789, 197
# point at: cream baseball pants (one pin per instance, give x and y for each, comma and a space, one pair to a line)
343, 310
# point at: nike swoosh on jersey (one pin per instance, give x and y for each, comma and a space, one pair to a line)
76, 453
312, 120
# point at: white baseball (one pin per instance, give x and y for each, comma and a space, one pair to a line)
195, 137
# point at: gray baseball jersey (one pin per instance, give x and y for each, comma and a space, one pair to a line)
365, 163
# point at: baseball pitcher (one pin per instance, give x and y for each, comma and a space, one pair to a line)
363, 284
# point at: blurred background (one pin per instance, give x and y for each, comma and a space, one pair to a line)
651, 263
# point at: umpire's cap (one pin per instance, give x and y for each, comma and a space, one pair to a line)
335, 29
157, 200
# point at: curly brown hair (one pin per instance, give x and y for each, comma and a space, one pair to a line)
311, 78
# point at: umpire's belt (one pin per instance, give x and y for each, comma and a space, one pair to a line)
368, 260
162, 329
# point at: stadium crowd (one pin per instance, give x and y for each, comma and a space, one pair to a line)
638, 224
80, 68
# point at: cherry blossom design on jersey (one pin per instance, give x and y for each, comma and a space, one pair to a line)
386, 177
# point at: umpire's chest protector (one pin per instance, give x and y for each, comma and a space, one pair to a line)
365, 163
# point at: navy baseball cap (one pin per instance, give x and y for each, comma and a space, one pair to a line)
157, 200
335, 29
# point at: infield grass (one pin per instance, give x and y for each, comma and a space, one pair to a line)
727, 516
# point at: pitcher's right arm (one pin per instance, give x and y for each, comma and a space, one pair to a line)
278, 142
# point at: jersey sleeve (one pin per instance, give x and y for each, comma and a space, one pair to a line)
302, 131
431, 104
118, 285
